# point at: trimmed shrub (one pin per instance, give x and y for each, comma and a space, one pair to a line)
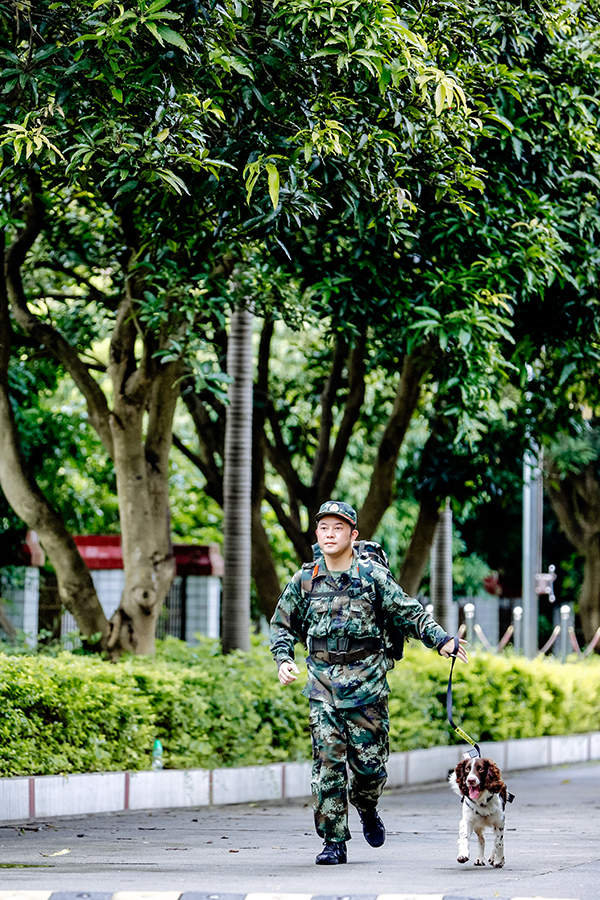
74, 713
494, 698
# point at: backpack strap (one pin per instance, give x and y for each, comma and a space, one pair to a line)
394, 643
365, 570
309, 570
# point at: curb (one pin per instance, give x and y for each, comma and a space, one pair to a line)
49, 796
197, 895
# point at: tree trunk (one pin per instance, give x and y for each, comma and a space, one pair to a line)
134, 622
141, 466
237, 486
576, 502
419, 549
75, 586
264, 572
589, 595
329, 457
139, 386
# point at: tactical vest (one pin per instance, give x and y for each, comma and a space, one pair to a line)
361, 591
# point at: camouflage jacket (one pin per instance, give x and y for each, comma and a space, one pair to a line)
322, 613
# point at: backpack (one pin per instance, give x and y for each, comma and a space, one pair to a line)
368, 553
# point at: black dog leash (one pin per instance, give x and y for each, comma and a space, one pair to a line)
463, 734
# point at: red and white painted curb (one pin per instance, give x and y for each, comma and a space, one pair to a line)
46, 796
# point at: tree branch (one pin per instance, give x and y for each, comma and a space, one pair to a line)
576, 502
328, 397
214, 480
211, 435
419, 549
44, 333
93, 292
415, 366
75, 585
259, 413
293, 529
280, 458
352, 408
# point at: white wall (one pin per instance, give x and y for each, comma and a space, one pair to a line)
203, 601
203, 604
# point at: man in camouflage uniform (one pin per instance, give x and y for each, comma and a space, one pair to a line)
337, 610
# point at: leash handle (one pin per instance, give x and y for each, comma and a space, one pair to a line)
459, 731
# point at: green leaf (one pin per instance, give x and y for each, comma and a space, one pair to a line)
153, 29
171, 37
156, 6
273, 184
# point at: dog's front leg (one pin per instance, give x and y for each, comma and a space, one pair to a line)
497, 857
480, 861
464, 833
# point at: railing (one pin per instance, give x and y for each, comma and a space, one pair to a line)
564, 631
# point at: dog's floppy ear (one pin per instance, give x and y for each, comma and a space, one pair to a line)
461, 772
493, 781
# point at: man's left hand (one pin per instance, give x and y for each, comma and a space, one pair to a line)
448, 649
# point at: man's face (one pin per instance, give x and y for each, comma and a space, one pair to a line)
334, 535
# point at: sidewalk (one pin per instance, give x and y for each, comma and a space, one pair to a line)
268, 848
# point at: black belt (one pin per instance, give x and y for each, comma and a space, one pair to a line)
339, 651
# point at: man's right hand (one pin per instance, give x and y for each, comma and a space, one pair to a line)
286, 670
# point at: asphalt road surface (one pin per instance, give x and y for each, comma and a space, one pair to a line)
552, 847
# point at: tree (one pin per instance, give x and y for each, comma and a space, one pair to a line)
75, 584
115, 153
522, 250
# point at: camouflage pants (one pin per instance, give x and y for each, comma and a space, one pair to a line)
353, 741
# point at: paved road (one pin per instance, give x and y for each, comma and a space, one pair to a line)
552, 848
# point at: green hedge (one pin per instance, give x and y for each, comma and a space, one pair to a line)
495, 698
73, 713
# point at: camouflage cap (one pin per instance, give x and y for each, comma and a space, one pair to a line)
337, 508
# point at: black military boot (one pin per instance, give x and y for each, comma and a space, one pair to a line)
373, 827
332, 854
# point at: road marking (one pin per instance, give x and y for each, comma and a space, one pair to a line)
410, 897
278, 896
25, 895
145, 895
175, 895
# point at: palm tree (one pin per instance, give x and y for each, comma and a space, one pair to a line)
237, 484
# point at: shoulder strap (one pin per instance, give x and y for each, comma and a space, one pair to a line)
365, 570
309, 570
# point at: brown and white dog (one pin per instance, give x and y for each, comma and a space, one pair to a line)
479, 784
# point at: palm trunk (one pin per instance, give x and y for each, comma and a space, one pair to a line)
237, 486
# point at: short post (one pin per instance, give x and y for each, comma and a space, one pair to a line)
518, 633
565, 615
469, 616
